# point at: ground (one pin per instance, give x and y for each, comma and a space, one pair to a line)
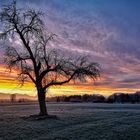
76, 121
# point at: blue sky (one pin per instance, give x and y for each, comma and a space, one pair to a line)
107, 30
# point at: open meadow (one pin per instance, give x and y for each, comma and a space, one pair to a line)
76, 121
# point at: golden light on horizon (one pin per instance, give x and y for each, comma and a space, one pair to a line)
9, 84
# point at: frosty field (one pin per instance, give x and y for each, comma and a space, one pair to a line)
76, 121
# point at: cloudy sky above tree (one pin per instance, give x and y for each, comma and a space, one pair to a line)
108, 31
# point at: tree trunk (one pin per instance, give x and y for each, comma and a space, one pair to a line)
42, 103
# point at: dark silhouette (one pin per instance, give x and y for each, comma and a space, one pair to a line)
13, 97
44, 67
97, 98
124, 98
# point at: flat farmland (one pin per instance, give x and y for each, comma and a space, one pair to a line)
76, 121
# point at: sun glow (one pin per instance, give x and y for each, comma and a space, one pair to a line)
9, 84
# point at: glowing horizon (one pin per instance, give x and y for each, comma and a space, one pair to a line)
9, 85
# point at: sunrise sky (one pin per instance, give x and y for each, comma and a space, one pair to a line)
106, 30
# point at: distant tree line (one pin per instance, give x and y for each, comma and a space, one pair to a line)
97, 98
94, 98
124, 98
78, 98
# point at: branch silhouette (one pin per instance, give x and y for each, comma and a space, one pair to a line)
34, 59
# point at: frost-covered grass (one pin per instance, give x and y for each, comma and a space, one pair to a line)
79, 121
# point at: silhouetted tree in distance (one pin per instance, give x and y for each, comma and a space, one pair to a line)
13, 97
32, 57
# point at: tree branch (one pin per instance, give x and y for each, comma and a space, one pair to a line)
46, 71
30, 76
59, 83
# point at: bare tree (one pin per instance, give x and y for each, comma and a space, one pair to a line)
33, 59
